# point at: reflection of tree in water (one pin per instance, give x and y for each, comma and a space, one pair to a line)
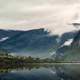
6, 69
67, 72
3, 72
60, 72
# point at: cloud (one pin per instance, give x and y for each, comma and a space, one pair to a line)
53, 15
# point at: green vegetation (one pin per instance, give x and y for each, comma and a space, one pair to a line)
6, 59
70, 55
21, 59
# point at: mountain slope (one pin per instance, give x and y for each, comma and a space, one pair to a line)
37, 42
70, 53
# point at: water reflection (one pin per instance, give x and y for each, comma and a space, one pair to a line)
68, 72
41, 72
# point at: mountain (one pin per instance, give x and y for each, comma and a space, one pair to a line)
36, 42
70, 53
64, 40
76, 41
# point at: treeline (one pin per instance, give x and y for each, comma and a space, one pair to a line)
7, 59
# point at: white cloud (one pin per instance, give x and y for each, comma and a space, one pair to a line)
54, 15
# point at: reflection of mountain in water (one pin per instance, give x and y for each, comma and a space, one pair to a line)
68, 72
48, 72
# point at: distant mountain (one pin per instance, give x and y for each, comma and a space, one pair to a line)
76, 41
66, 36
36, 42
39, 43
70, 53
4, 51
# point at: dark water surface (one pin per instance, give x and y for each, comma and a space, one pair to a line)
42, 72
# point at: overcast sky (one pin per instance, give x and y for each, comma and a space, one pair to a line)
54, 15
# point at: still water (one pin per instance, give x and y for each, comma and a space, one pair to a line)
42, 72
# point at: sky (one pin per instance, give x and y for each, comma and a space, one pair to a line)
53, 15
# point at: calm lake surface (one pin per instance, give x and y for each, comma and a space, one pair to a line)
42, 72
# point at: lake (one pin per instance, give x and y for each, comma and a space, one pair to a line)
42, 72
